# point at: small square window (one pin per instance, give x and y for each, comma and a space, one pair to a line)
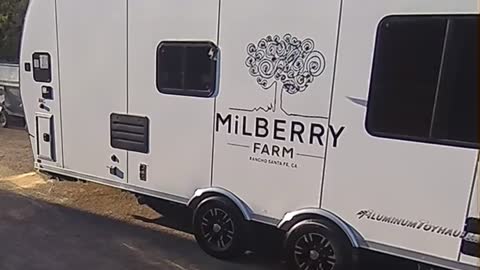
187, 68
42, 67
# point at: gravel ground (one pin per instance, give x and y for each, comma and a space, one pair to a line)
15, 152
16, 166
51, 223
56, 224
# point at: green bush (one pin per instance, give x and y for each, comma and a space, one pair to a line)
12, 13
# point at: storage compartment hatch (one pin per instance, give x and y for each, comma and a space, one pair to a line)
45, 140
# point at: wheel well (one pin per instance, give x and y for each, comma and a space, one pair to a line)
197, 200
354, 237
299, 218
203, 195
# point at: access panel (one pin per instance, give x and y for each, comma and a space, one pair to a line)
174, 87
278, 60
92, 39
45, 137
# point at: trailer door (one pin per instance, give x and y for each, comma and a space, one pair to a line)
171, 80
92, 48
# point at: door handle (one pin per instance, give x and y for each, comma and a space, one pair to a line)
114, 170
44, 107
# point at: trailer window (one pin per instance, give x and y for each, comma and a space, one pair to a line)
187, 68
42, 70
424, 84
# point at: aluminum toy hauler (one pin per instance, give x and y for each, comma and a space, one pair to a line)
346, 124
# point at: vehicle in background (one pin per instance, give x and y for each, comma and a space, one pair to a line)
10, 98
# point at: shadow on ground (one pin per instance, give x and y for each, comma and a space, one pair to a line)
35, 234
172, 215
265, 242
39, 235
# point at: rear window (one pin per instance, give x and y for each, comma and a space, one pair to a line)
424, 84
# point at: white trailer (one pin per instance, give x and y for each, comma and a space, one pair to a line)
347, 124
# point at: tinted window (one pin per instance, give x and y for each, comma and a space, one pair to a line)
424, 84
42, 70
187, 68
170, 67
456, 115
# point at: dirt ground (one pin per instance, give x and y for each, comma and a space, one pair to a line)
126, 235
17, 173
15, 153
51, 223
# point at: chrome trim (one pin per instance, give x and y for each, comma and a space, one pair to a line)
265, 220
354, 237
359, 101
111, 183
246, 211
418, 257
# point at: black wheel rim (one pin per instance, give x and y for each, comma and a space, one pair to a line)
314, 252
217, 229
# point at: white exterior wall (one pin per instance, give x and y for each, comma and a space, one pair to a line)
272, 190
93, 84
39, 35
415, 181
179, 161
107, 59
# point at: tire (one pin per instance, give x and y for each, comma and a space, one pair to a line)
318, 245
3, 119
219, 228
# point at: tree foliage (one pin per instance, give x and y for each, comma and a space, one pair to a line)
12, 13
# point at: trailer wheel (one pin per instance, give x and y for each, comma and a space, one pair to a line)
317, 245
219, 228
3, 119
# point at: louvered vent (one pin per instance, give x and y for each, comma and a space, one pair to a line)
129, 132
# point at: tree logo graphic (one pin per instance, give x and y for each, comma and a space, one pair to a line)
288, 65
